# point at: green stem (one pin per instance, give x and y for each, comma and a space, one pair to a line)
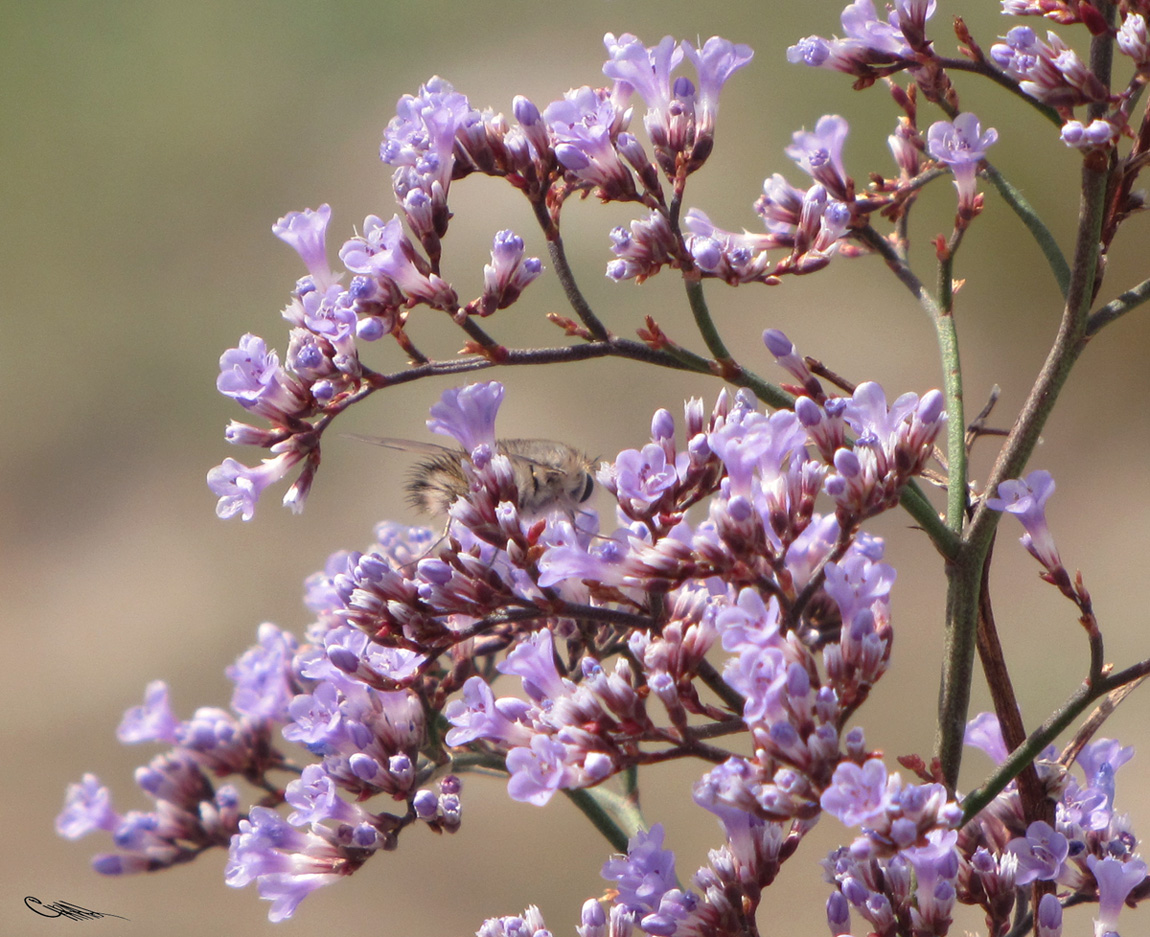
915, 503
1131, 299
703, 320
1041, 234
947, 339
616, 817
566, 275
962, 601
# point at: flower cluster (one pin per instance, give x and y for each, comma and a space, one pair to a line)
1087, 851
789, 594
731, 606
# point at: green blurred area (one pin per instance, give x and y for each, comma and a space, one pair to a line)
147, 147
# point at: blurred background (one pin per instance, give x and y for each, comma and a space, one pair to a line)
147, 149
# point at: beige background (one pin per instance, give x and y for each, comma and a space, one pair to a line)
147, 148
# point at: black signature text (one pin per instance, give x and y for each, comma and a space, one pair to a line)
65, 909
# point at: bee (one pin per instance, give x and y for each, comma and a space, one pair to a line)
550, 476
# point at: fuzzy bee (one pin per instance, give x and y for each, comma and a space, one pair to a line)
550, 476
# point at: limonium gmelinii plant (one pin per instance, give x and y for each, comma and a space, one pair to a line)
731, 607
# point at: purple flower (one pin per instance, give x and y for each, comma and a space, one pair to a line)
87, 808
857, 794
530, 924
239, 487
384, 251
252, 376
714, 64
1116, 879
262, 676
584, 126
962, 146
645, 874
152, 722
983, 731
537, 772
467, 414
642, 249
861, 23
420, 140
819, 153
306, 232
1041, 853
480, 716
1026, 499
508, 274
287, 864
870, 42
1103, 757
314, 797
736, 258
647, 71
856, 584
1051, 73
642, 476
1049, 916
533, 661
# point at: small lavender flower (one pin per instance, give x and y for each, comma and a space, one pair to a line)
983, 731
262, 676
736, 258
1116, 879
819, 153
384, 251
640, 476
467, 414
645, 874
239, 487
870, 43
584, 126
857, 793
252, 376
286, 864
537, 771
151, 722
714, 63
421, 138
962, 146
87, 808
508, 274
530, 924
1049, 917
1041, 853
1026, 499
305, 232
643, 249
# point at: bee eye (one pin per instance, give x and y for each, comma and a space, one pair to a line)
588, 487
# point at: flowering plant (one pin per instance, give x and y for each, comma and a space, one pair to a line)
734, 608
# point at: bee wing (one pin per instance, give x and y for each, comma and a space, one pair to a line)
405, 445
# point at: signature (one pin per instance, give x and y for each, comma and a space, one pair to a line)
64, 909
